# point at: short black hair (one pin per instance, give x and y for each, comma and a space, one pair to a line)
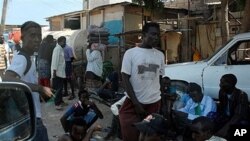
230, 78
206, 124
49, 38
83, 91
61, 38
77, 121
146, 27
29, 24
194, 87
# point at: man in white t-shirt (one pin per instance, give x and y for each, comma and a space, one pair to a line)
141, 70
31, 37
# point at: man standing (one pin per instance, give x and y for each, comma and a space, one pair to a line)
69, 57
141, 70
58, 71
31, 37
94, 68
44, 60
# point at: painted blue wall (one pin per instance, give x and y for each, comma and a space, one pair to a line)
114, 27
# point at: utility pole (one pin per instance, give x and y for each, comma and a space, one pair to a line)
2, 27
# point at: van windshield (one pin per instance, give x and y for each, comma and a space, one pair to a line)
218, 50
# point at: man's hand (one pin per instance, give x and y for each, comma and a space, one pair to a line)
45, 92
140, 111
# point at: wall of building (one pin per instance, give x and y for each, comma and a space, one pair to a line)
57, 23
97, 3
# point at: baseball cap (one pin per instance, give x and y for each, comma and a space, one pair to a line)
152, 124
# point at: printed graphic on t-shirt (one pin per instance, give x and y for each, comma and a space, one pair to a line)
147, 71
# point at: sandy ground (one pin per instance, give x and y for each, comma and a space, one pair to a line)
51, 118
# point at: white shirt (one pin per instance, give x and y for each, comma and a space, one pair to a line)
18, 65
114, 108
144, 67
207, 105
95, 63
58, 62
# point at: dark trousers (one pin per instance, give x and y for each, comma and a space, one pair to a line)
57, 83
65, 85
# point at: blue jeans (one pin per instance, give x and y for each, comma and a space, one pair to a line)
41, 131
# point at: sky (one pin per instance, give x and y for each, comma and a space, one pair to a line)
20, 11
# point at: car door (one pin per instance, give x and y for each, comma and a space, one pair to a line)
235, 60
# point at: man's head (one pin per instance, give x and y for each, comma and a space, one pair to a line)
78, 128
83, 96
202, 128
165, 83
152, 128
151, 35
228, 82
62, 41
195, 92
31, 36
50, 39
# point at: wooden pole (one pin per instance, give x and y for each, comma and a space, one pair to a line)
2, 27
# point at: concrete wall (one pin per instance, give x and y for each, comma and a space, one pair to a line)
114, 22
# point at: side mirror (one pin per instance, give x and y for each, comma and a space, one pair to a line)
17, 112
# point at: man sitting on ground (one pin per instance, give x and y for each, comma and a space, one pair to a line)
152, 128
233, 108
202, 129
83, 108
79, 131
109, 87
198, 105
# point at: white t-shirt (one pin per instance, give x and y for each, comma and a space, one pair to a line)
95, 63
18, 65
144, 66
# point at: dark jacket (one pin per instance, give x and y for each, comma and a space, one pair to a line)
238, 103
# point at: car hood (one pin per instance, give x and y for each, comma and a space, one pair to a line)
185, 70
187, 64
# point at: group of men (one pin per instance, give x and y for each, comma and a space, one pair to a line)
142, 68
50, 59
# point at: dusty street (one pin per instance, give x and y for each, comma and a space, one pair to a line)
51, 118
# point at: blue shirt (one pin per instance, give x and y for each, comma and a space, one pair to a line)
68, 53
207, 105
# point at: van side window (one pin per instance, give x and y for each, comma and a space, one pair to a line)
239, 54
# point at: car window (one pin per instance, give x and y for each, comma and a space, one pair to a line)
14, 111
239, 54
